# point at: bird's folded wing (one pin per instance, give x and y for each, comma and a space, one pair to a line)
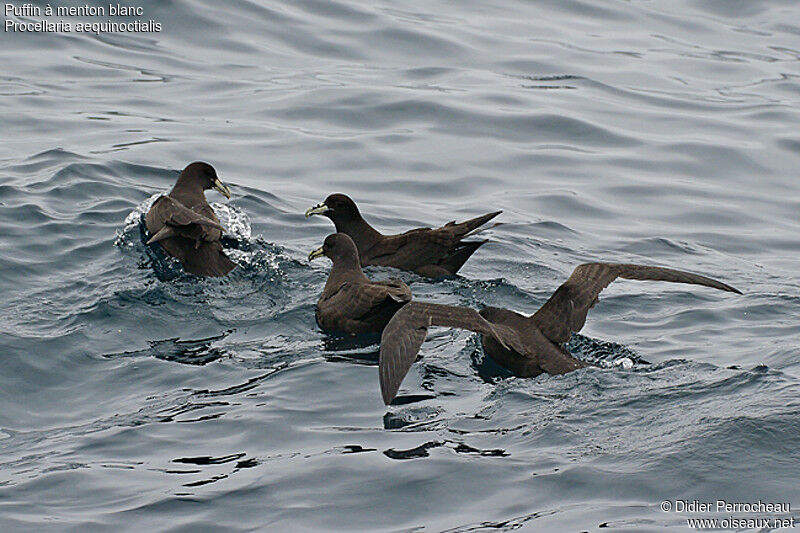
443, 238
394, 244
395, 289
364, 299
566, 309
422, 246
406, 331
174, 213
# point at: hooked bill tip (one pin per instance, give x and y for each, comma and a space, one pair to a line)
315, 253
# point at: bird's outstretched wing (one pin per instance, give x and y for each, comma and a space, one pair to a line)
565, 311
406, 331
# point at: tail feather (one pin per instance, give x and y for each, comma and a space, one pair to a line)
464, 228
481, 230
453, 261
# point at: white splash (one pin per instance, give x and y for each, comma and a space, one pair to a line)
625, 362
234, 220
132, 222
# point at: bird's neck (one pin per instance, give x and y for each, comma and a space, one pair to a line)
189, 194
345, 269
364, 235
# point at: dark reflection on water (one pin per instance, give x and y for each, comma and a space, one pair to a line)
458, 447
190, 352
133, 396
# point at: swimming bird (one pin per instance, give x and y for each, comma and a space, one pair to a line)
352, 303
428, 252
526, 345
186, 227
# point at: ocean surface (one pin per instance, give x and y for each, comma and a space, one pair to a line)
136, 398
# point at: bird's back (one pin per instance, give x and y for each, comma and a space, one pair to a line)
431, 252
197, 247
359, 305
541, 354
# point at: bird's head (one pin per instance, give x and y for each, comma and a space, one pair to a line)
205, 176
337, 247
337, 207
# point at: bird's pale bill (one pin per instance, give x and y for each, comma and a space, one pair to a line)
319, 252
317, 210
222, 188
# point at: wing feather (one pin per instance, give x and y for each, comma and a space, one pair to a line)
406, 331
425, 247
361, 307
565, 312
170, 218
174, 213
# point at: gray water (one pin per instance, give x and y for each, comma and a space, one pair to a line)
650, 132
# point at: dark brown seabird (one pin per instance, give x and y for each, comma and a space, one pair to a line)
428, 252
526, 345
352, 303
186, 227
